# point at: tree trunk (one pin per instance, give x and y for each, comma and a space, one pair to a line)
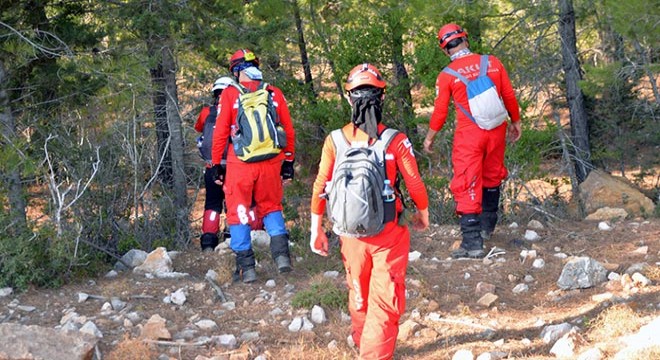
326, 49
17, 203
574, 95
176, 147
159, 99
402, 96
302, 45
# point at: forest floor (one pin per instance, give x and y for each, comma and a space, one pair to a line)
442, 299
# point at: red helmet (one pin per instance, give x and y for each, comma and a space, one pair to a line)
241, 56
450, 32
364, 74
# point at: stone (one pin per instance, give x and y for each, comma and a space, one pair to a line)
581, 273
487, 300
155, 329
552, 333
607, 213
157, 262
601, 189
535, 224
414, 256
318, 315
463, 354
6, 291
407, 329
36, 342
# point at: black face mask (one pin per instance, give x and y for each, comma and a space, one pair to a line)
367, 109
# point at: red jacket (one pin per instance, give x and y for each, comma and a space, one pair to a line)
227, 117
448, 86
398, 158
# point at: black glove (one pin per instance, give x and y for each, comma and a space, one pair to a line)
218, 172
287, 170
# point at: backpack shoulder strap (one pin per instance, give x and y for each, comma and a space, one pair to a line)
483, 65
340, 142
384, 141
455, 73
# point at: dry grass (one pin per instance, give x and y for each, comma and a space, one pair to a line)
615, 321
653, 273
305, 349
132, 349
646, 354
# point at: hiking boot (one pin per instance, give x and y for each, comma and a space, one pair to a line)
249, 275
461, 253
283, 264
208, 242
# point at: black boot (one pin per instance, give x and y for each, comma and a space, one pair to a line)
489, 203
208, 242
245, 267
472, 244
279, 249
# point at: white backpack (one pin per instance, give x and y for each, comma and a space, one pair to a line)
486, 107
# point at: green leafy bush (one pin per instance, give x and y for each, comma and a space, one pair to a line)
325, 294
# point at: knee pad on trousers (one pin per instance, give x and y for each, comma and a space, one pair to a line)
211, 222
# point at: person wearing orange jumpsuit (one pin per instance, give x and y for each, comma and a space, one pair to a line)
477, 154
258, 183
214, 195
375, 265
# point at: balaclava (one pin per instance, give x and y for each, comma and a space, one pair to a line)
367, 109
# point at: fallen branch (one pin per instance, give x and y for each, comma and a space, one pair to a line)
461, 322
217, 289
177, 343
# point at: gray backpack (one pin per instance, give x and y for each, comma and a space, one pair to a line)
355, 202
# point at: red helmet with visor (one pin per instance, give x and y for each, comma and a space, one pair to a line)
450, 32
364, 74
241, 56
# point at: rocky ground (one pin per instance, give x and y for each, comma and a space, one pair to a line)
505, 306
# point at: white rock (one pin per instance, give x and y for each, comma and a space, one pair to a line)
591, 354
463, 354
307, 325
318, 315
332, 345
552, 333
640, 280
520, 288
614, 276
260, 238
227, 340
111, 274
528, 278
538, 263
271, 283
178, 297
513, 225
414, 256
206, 324
6, 291
466, 275
331, 274
531, 235
249, 336
535, 224
229, 305
603, 225
296, 324
561, 255
82, 297
91, 329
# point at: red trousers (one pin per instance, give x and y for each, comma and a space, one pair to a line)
478, 161
256, 183
375, 272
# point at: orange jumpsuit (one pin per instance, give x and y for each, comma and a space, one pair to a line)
376, 265
247, 181
477, 154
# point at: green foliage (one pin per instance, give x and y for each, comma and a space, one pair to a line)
324, 293
534, 146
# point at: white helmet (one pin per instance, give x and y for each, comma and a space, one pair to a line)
222, 83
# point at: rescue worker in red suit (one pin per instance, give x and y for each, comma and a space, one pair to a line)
257, 182
215, 196
477, 154
375, 265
